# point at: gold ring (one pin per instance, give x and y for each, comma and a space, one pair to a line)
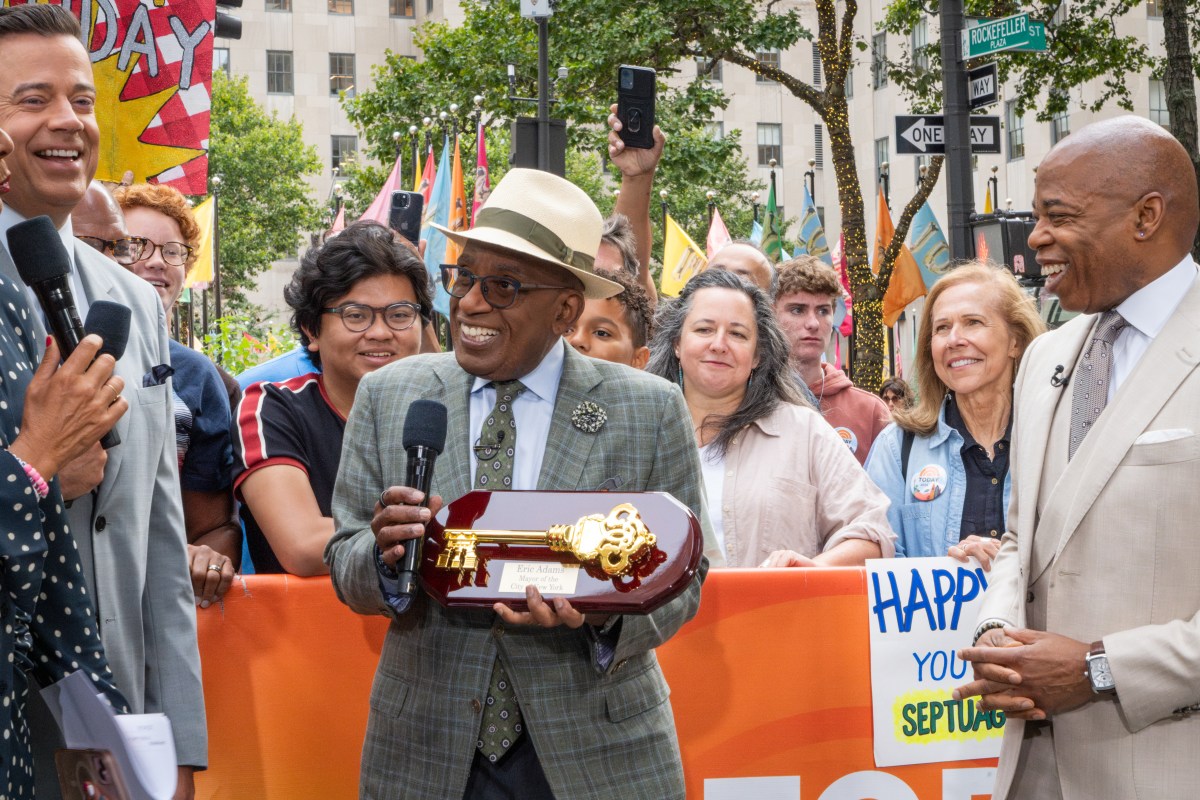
215, 567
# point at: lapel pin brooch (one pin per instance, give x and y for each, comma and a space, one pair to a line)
588, 417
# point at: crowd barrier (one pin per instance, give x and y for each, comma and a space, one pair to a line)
770, 685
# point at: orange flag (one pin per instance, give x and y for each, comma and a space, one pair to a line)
906, 283
458, 206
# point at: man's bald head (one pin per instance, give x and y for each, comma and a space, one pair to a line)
747, 261
98, 214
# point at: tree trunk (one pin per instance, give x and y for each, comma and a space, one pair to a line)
1178, 79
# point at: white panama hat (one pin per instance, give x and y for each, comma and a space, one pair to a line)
540, 215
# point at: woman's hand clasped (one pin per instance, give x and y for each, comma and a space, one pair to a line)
981, 547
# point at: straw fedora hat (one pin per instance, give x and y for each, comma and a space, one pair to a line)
539, 215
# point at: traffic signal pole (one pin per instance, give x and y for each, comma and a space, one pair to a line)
960, 189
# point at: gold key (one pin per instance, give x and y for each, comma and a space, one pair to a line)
613, 543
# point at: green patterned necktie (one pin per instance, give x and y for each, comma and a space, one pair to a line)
501, 724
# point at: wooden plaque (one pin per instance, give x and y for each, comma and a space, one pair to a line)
499, 566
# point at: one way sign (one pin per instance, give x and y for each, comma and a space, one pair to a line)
925, 135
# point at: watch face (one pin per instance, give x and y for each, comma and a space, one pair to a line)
1100, 674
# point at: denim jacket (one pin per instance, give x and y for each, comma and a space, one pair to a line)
929, 527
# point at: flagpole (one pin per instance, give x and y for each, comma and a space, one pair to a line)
662, 196
414, 132
994, 187
885, 180
754, 204
216, 256
396, 136
712, 206
810, 178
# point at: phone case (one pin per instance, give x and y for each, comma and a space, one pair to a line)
635, 105
90, 775
405, 214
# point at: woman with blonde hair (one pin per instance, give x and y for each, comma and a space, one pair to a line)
943, 463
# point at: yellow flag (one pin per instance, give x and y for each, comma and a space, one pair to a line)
458, 206
681, 259
201, 274
906, 283
987, 202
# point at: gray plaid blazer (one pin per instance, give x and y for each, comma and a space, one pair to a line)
598, 733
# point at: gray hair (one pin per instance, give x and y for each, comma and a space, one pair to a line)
619, 233
771, 382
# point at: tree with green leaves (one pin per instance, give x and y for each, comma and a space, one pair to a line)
1084, 46
265, 205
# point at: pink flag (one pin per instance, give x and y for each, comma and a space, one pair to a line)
718, 234
483, 184
339, 222
846, 327
381, 206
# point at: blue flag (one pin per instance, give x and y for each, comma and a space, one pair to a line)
812, 233
928, 246
438, 211
756, 232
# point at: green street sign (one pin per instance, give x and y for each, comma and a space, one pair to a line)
1017, 32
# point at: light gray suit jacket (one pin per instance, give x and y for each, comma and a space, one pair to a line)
1122, 561
598, 733
130, 530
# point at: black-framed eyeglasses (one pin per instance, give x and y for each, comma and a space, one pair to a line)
124, 251
498, 291
358, 317
177, 254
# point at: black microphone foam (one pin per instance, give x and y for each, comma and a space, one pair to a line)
425, 426
109, 321
37, 251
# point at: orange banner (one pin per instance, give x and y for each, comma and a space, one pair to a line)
770, 684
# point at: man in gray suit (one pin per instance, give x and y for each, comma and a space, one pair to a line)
1089, 638
590, 716
129, 528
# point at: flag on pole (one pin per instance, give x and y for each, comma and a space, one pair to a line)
437, 209
756, 232
681, 259
483, 185
772, 240
905, 285
844, 317
928, 246
718, 234
987, 201
339, 223
381, 206
201, 273
812, 232
458, 205
425, 185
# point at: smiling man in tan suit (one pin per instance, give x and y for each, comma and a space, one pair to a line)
1090, 633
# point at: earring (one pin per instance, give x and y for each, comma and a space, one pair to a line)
681, 376
751, 378
1141, 234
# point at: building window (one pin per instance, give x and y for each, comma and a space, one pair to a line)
279, 72
816, 65
1152, 9
818, 146
921, 161
279, 5
709, 70
342, 149
821, 214
341, 74
428, 6
879, 76
1060, 123
882, 154
402, 8
1015, 126
849, 83
769, 58
770, 143
920, 40
1158, 104
716, 130
341, 6
221, 60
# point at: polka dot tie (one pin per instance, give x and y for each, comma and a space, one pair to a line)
501, 725
1091, 378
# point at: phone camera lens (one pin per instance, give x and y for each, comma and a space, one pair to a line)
626, 79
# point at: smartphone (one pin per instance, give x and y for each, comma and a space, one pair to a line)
90, 775
635, 105
405, 215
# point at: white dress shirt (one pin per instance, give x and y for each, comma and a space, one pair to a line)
1146, 311
532, 411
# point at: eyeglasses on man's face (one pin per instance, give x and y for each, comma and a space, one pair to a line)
358, 317
125, 251
498, 291
177, 254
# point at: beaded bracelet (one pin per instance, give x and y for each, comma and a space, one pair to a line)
39, 483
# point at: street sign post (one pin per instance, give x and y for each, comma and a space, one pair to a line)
1017, 32
919, 135
984, 89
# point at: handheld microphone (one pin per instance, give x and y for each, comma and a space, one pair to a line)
109, 321
45, 266
424, 440
1059, 380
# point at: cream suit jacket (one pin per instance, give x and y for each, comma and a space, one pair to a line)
1125, 561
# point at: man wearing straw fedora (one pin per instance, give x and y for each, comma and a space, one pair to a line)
546, 703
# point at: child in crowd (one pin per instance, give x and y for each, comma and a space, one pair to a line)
616, 329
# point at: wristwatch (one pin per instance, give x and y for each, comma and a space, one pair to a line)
1098, 670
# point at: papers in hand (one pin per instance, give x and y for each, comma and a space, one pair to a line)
142, 744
